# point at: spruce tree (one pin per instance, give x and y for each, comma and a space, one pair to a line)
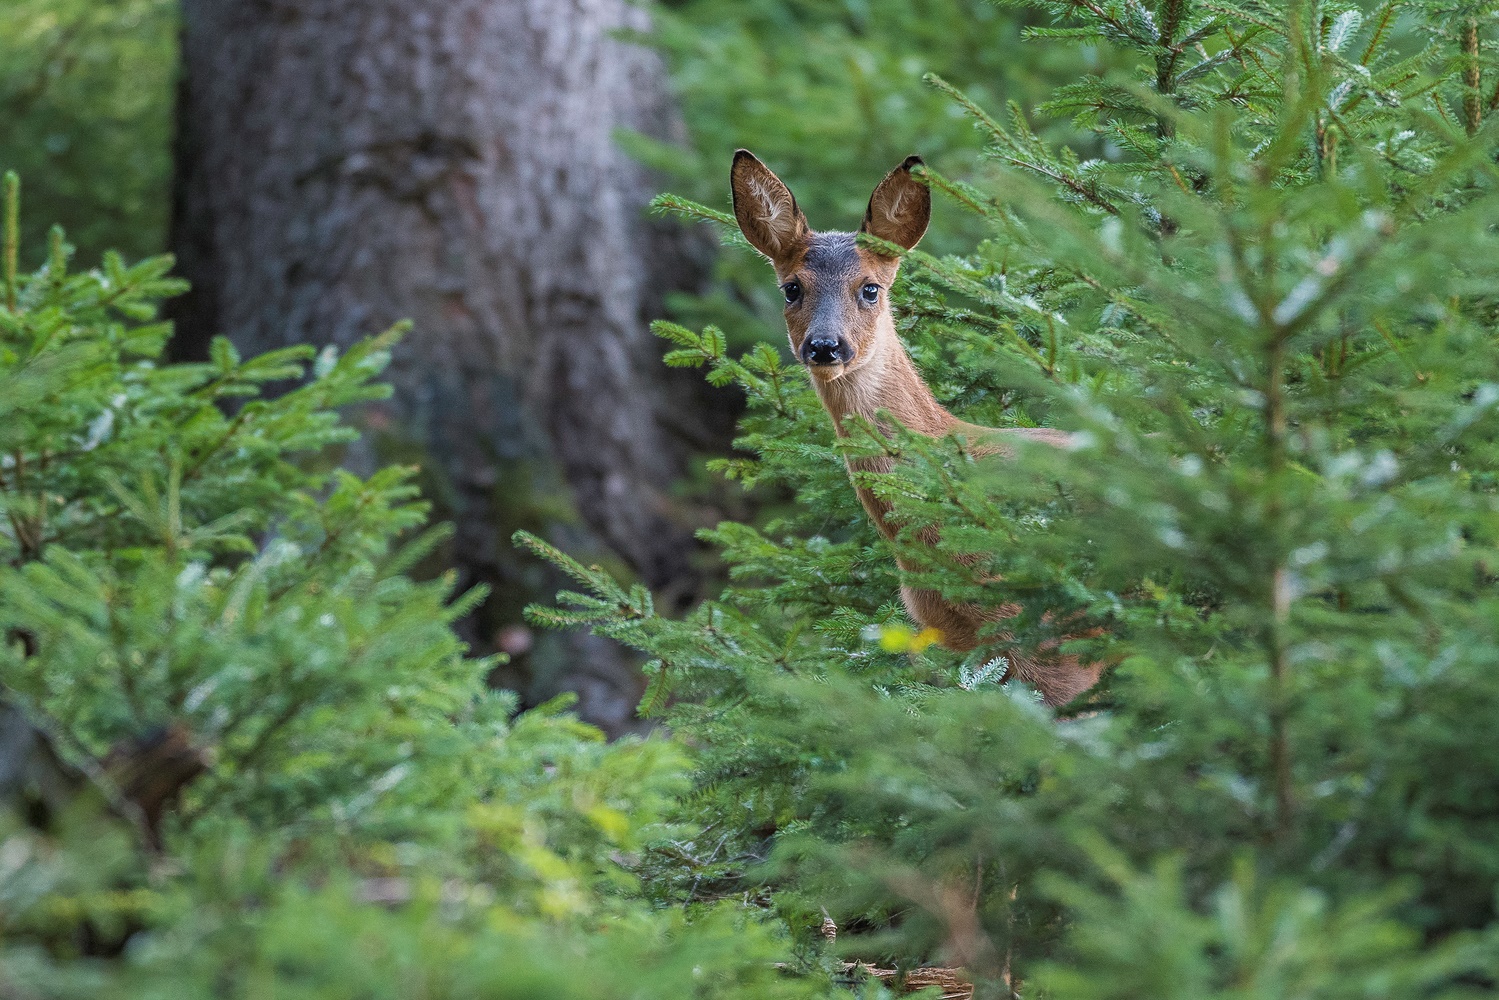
1269, 311
246, 753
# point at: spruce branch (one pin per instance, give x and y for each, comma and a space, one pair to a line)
1472, 82
686, 208
995, 130
1383, 19
57, 257
9, 252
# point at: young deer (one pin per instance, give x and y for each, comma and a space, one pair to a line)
838, 316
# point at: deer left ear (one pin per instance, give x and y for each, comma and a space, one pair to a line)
900, 208
766, 209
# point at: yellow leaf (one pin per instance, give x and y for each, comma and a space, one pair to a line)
900, 639
926, 637
895, 638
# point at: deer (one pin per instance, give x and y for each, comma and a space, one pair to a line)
842, 329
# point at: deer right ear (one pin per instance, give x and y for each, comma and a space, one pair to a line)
900, 208
765, 208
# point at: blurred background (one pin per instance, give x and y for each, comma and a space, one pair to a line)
325, 168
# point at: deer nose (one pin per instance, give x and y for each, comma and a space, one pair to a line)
821, 349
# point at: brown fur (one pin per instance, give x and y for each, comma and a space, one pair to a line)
878, 375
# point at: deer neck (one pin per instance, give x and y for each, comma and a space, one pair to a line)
886, 380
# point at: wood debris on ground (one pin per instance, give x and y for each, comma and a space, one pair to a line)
951, 982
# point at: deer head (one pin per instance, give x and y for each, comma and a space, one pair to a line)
837, 301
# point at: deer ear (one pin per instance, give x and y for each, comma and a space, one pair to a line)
900, 207
765, 208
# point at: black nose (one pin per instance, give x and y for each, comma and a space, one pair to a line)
819, 349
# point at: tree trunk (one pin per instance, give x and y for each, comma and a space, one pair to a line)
343, 164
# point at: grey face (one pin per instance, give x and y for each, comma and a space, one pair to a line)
831, 254
832, 297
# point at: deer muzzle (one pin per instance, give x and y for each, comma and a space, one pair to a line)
823, 349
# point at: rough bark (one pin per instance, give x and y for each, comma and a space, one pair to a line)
343, 164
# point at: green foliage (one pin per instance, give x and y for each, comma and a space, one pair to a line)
359, 814
86, 91
828, 91
1260, 291
1143, 939
1268, 313
829, 94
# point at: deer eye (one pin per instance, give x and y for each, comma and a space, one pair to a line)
793, 290
870, 293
